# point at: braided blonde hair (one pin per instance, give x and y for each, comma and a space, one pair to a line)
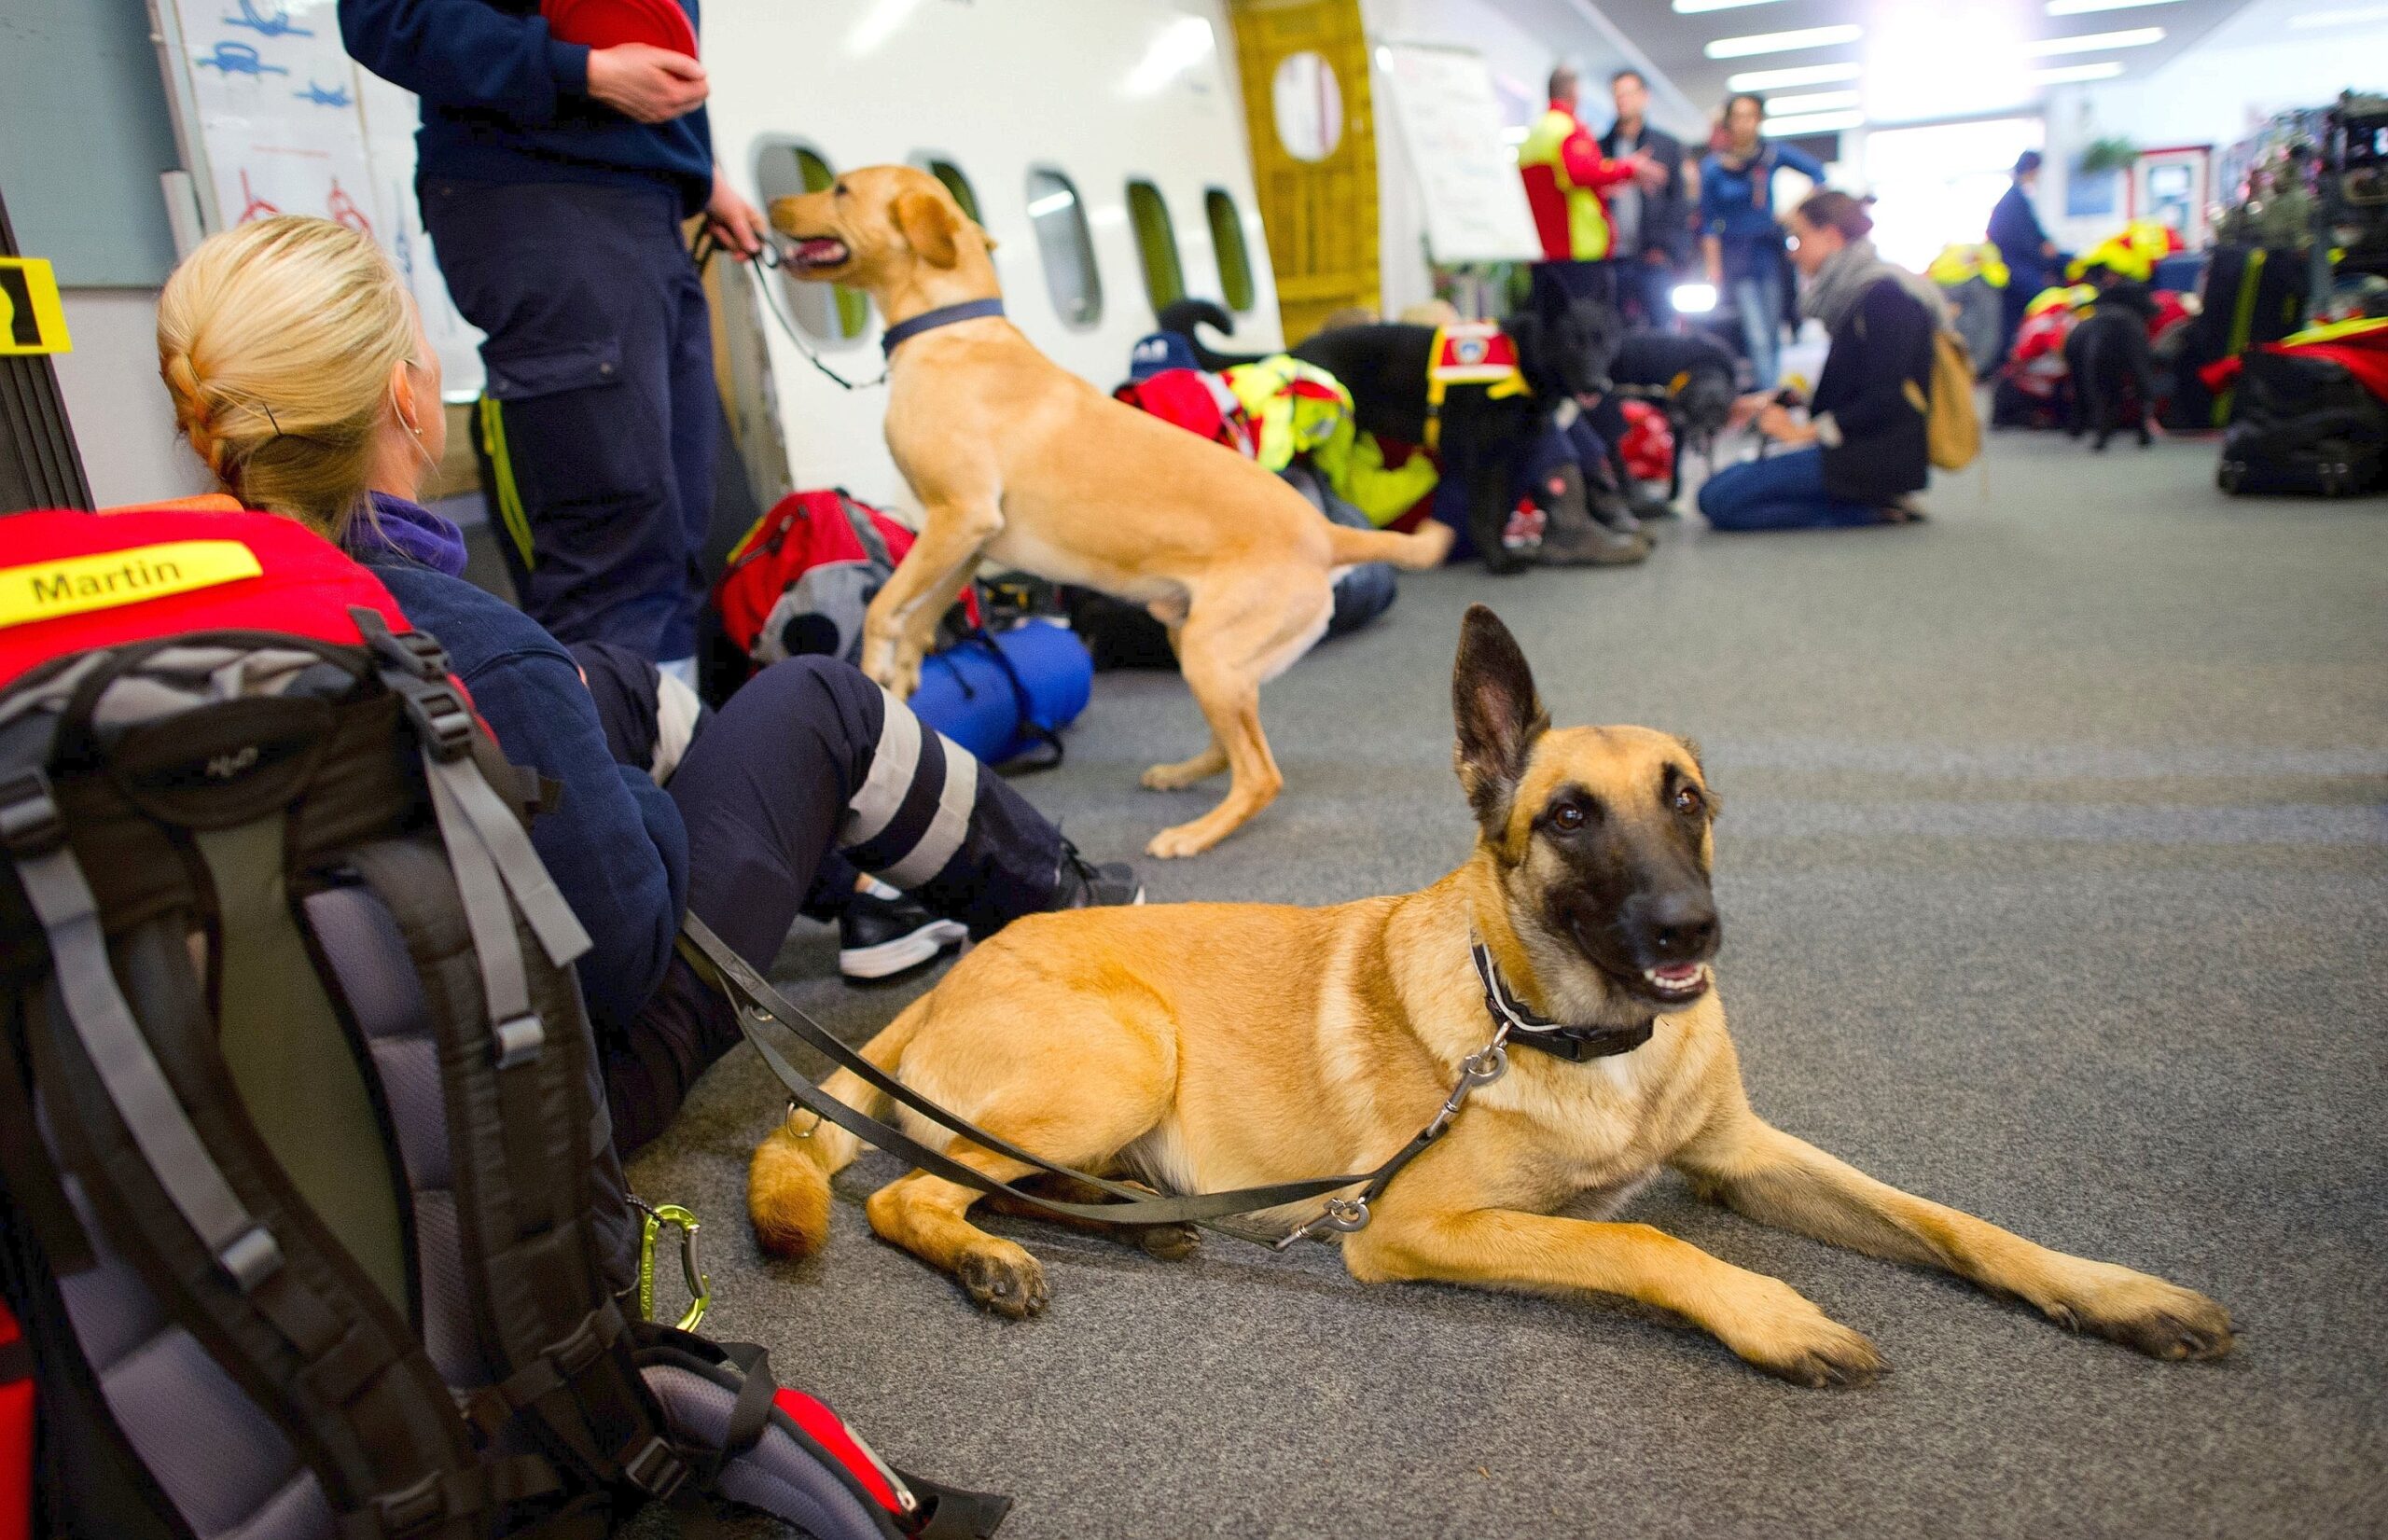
277, 340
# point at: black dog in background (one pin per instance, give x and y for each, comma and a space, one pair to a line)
2110, 364
1689, 376
1483, 441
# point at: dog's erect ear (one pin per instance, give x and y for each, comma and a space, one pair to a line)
929, 228
1498, 713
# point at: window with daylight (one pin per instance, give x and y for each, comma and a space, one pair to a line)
1066, 246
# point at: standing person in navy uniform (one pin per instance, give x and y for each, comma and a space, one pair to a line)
554, 177
2023, 246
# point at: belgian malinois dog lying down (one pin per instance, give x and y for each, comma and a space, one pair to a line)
1204, 1046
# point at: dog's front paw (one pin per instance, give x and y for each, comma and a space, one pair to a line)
1789, 1338
2161, 1320
1005, 1279
892, 666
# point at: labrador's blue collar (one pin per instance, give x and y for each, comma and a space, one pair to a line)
944, 315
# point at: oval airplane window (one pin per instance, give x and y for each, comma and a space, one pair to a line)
955, 183
1309, 105
1227, 242
1157, 244
830, 312
1067, 247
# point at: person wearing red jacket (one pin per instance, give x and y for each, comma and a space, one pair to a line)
1565, 175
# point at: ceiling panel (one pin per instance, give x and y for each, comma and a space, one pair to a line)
1909, 61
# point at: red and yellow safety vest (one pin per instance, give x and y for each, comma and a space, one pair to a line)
1565, 172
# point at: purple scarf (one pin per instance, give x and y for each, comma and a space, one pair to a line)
395, 529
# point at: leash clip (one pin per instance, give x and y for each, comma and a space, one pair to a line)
1341, 1215
1478, 1070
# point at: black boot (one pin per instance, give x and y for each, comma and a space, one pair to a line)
1572, 538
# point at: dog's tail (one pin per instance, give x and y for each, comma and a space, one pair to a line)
1420, 550
787, 1181
1183, 316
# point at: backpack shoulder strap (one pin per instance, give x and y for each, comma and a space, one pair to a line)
518, 1077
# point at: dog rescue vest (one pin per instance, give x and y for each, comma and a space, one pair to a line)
1471, 353
312, 1215
1296, 407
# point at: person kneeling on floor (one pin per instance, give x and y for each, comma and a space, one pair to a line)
1862, 449
299, 372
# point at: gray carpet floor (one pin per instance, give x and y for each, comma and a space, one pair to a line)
2054, 870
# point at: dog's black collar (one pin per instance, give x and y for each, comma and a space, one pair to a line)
944, 315
1540, 1033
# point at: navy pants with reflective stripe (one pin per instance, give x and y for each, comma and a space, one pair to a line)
599, 360
810, 760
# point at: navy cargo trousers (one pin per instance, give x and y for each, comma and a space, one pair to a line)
599, 414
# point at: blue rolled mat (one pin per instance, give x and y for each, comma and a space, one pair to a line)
970, 696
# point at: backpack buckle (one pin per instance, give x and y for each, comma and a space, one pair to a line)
440, 718
657, 1469
519, 1040
30, 823
413, 652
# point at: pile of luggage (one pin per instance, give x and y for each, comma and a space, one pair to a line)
2308, 413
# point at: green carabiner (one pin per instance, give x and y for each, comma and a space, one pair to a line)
700, 1286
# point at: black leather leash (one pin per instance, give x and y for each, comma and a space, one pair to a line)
755, 1002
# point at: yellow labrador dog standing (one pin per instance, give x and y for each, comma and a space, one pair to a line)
1015, 458
1206, 1047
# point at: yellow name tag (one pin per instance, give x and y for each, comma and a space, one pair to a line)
73, 584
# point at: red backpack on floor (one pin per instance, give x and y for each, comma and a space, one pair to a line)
801, 579
308, 1208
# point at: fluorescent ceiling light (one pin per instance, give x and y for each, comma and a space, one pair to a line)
1799, 75
2345, 17
1814, 101
2105, 69
2083, 7
2090, 42
1694, 7
1809, 122
1782, 42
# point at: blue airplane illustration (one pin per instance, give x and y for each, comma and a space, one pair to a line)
276, 25
240, 59
335, 96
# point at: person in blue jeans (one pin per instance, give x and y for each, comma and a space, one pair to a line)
1739, 239
1862, 451
553, 179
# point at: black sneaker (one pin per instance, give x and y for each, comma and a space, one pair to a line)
881, 937
1083, 885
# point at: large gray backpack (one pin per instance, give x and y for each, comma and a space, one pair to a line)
311, 1216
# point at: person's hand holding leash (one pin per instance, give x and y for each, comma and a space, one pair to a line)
1774, 421
650, 84
738, 225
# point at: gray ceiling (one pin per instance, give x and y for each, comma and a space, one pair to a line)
1939, 43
